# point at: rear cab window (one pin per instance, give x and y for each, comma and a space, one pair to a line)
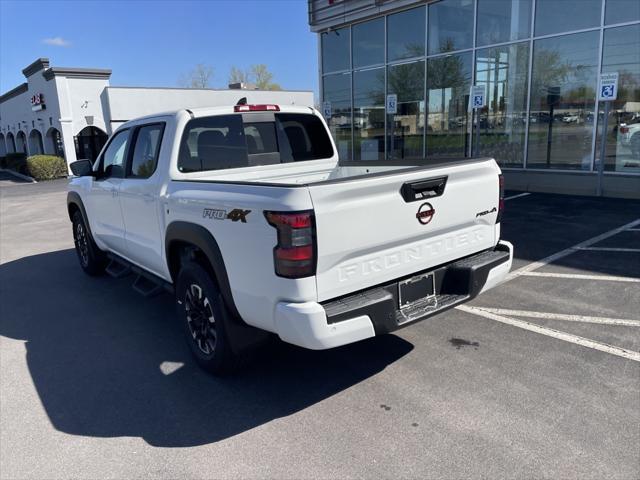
251, 139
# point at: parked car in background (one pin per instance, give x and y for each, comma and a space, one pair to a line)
629, 135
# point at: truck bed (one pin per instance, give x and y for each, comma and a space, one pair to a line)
318, 172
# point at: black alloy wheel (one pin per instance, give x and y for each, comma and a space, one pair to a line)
200, 319
92, 260
205, 317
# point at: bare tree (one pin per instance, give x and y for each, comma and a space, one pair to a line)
199, 77
237, 75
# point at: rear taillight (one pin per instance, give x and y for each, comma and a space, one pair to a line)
500, 198
624, 129
256, 108
295, 254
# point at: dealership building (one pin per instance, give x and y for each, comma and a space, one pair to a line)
70, 112
395, 80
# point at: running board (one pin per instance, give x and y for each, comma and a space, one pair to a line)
147, 288
117, 269
146, 283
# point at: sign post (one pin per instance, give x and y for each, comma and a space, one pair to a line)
607, 92
553, 98
392, 108
477, 100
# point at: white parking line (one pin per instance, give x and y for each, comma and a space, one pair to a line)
577, 276
563, 317
609, 249
518, 196
568, 251
550, 332
633, 229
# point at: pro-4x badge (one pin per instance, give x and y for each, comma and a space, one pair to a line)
235, 215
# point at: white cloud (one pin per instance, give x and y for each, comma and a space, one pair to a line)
57, 42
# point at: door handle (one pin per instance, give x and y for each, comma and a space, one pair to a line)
148, 197
114, 192
423, 189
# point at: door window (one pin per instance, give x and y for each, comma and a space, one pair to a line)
146, 150
112, 164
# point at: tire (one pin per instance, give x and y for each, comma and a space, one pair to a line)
92, 260
205, 317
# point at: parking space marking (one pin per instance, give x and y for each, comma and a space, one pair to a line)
608, 249
577, 276
564, 317
633, 230
518, 196
568, 251
551, 332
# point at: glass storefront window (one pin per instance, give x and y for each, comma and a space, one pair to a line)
448, 83
621, 53
368, 114
555, 16
502, 21
406, 34
405, 128
563, 90
503, 72
337, 90
335, 50
368, 43
450, 26
620, 11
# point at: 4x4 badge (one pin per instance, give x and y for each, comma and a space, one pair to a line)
235, 215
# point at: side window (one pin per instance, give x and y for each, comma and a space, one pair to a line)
146, 150
112, 164
213, 143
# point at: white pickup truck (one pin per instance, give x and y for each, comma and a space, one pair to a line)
246, 214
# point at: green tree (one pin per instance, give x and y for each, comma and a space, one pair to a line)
257, 74
548, 71
262, 77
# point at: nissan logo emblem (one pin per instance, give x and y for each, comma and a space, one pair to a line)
425, 213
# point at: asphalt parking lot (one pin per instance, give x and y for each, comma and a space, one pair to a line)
538, 378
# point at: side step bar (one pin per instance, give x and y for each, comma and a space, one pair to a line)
117, 269
146, 284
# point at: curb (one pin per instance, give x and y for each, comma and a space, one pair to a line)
19, 175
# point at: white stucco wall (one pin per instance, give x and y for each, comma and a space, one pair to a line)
17, 110
76, 99
126, 103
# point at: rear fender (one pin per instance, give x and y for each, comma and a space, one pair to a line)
241, 335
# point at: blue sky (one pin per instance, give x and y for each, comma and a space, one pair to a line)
153, 42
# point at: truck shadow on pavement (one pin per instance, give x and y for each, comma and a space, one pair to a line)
95, 350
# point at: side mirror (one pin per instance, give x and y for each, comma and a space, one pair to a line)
82, 168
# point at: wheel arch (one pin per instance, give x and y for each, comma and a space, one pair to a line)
183, 235
74, 204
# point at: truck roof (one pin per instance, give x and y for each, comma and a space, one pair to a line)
209, 111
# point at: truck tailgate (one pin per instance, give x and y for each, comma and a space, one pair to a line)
369, 232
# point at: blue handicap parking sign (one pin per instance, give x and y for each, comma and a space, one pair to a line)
477, 101
607, 91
